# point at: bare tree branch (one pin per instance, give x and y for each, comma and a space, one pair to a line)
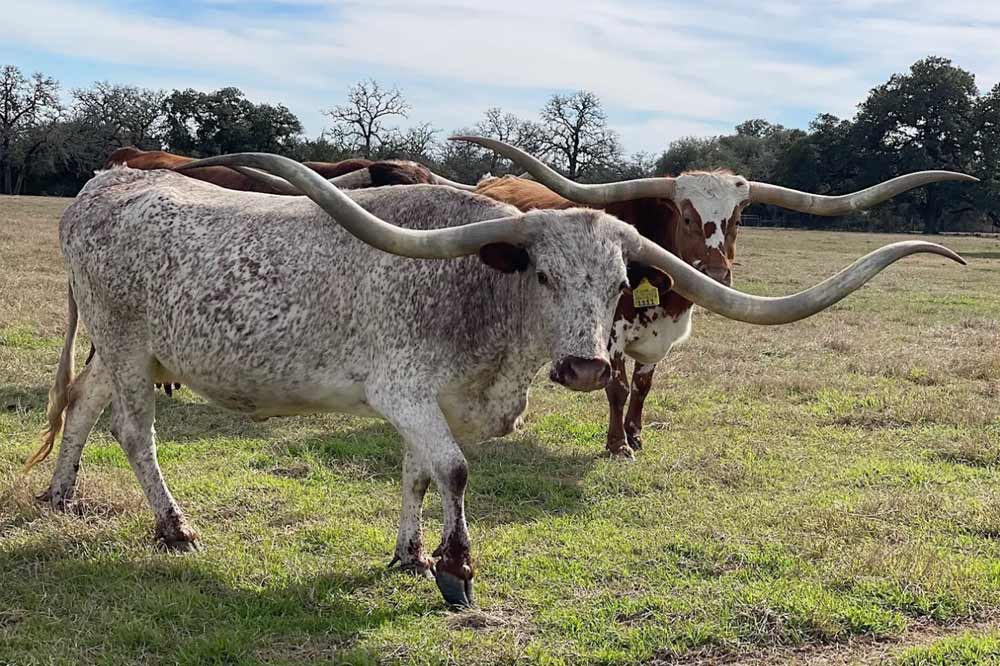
360, 122
574, 132
26, 105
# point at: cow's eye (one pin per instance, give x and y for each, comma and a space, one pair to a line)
687, 220
542, 278
623, 286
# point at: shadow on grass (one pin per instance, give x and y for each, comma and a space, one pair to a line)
177, 419
516, 478
981, 255
183, 610
23, 398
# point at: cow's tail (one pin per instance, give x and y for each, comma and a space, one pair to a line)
59, 393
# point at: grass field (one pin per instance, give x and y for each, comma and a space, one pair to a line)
820, 493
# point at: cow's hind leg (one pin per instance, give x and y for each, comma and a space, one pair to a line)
89, 395
617, 392
642, 382
133, 409
410, 543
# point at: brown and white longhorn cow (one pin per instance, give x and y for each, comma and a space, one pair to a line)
695, 216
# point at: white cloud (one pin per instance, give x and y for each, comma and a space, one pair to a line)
697, 68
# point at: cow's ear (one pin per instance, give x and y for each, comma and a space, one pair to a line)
659, 279
504, 257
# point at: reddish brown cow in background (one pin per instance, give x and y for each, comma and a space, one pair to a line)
148, 160
694, 216
367, 173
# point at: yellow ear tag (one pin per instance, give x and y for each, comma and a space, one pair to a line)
645, 295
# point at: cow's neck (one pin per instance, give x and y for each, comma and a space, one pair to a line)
655, 219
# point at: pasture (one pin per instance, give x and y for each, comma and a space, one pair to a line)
825, 492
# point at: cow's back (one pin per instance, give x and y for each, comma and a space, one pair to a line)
524, 194
268, 287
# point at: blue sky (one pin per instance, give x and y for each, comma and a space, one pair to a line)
664, 69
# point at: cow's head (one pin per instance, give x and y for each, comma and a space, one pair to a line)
573, 266
709, 206
399, 172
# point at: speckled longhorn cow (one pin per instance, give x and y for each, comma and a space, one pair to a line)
277, 306
695, 216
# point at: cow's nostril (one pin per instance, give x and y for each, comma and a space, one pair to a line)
582, 374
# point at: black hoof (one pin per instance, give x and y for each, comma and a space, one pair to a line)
635, 441
178, 545
622, 453
457, 592
60, 504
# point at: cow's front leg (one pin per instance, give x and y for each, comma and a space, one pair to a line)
453, 569
410, 542
430, 442
617, 392
642, 381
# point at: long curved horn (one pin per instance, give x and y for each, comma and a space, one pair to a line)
421, 244
595, 195
763, 310
818, 204
766, 193
441, 180
279, 185
353, 180
349, 181
468, 239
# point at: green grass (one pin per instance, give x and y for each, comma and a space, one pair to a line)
22, 337
964, 650
804, 487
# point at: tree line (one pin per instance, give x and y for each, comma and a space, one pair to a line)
931, 117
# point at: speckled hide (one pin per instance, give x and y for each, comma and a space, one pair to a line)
264, 305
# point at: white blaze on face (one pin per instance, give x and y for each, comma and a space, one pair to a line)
715, 197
